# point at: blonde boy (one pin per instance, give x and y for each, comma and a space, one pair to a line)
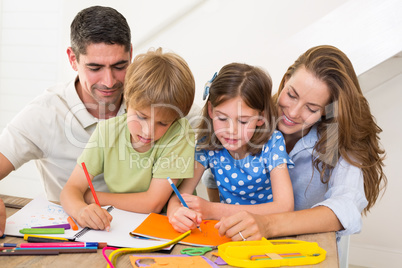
138, 150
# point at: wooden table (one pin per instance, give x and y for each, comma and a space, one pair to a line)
325, 240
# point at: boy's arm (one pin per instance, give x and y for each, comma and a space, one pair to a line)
282, 194
152, 200
72, 200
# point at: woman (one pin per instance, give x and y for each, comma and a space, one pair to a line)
333, 140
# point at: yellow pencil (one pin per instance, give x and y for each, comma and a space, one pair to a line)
43, 236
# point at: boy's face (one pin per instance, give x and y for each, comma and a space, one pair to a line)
146, 126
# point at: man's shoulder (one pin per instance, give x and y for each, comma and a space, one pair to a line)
54, 94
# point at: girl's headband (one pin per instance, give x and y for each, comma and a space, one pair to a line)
207, 86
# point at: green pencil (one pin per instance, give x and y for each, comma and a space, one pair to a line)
42, 231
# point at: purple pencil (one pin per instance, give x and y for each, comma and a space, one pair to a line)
66, 226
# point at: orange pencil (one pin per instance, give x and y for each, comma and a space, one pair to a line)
90, 183
72, 223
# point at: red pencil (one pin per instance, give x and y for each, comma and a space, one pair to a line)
90, 183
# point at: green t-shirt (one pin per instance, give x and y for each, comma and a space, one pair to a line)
109, 151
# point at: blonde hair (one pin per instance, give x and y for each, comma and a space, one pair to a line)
254, 87
348, 129
163, 79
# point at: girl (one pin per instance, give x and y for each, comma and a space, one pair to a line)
237, 141
333, 140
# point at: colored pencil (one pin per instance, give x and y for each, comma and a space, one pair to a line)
3, 248
66, 226
72, 223
19, 251
90, 183
8, 245
26, 236
32, 239
58, 245
54, 248
42, 231
29, 252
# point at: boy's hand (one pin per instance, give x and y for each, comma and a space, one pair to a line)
185, 219
94, 217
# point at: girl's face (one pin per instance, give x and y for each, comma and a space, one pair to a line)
234, 125
301, 103
147, 126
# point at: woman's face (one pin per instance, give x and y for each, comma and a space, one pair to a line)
301, 103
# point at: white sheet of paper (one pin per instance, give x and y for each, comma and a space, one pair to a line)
41, 212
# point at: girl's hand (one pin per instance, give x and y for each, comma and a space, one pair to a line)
250, 225
94, 217
200, 205
184, 219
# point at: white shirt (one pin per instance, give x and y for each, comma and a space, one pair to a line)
52, 129
344, 193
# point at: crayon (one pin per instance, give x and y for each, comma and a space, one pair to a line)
42, 231
26, 236
72, 223
66, 226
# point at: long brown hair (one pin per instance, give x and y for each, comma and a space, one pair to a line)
254, 86
348, 129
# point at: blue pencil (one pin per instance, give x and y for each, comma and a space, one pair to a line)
179, 196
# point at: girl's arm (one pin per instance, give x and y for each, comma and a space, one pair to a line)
181, 218
72, 200
255, 226
282, 199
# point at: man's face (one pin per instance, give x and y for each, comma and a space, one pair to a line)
101, 73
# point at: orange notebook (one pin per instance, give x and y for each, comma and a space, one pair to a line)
158, 227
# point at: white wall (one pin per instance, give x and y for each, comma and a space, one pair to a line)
34, 36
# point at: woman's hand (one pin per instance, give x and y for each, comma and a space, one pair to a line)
184, 219
251, 226
94, 217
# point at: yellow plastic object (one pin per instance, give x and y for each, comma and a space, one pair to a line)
271, 253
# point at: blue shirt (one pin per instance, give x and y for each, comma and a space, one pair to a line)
246, 181
344, 193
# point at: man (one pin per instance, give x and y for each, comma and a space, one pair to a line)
55, 127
